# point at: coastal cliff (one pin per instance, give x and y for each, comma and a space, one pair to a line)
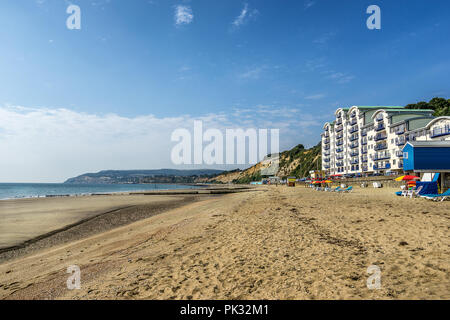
295, 162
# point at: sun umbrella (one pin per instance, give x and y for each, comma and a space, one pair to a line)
315, 182
406, 178
327, 181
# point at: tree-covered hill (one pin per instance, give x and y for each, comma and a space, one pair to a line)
440, 106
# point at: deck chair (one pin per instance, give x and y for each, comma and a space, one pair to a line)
437, 197
415, 193
348, 190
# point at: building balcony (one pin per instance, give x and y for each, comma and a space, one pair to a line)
400, 142
380, 137
339, 129
399, 154
339, 143
381, 146
339, 136
353, 129
340, 164
339, 157
326, 160
339, 121
441, 131
338, 150
327, 134
354, 153
354, 145
379, 157
381, 167
363, 142
353, 138
354, 161
365, 168
327, 141
364, 160
363, 133
400, 131
380, 127
326, 166
379, 117
326, 148
353, 121
364, 151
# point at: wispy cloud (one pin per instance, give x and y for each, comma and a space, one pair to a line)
316, 96
245, 15
183, 15
321, 66
323, 39
309, 4
340, 77
253, 73
184, 72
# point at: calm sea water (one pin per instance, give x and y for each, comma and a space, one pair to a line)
32, 190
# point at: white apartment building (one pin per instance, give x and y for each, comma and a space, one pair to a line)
367, 140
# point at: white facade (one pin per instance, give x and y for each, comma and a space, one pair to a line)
437, 130
366, 140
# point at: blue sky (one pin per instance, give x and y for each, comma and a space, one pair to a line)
299, 59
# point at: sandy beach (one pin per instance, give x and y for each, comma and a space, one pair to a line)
272, 243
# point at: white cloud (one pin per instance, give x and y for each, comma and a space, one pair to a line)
323, 39
253, 73
340, 77
315, 96
309, 4
51, 145
183, 15
245, 15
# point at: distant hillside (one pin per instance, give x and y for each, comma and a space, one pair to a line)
440, 106
295, 162
145, 176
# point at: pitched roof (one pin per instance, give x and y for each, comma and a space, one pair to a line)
430, 144
380, 107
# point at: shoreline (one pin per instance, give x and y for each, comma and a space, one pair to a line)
102, 192
200, 187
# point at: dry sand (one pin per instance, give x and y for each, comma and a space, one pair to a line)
276, 243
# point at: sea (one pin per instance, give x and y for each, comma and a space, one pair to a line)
36, 190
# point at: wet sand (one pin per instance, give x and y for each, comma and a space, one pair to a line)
28, 225
276, 243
